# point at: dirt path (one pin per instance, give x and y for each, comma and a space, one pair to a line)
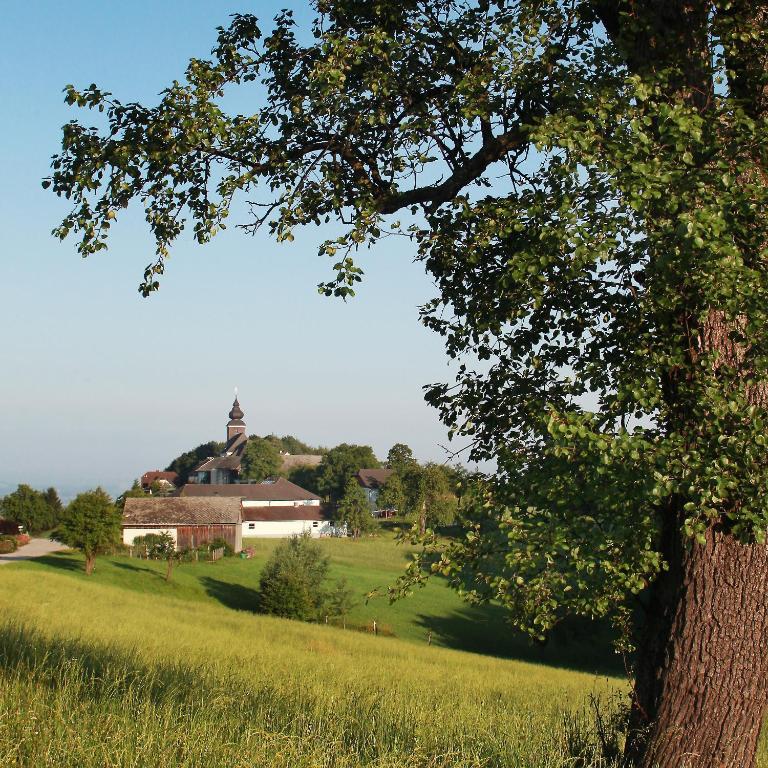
35, 548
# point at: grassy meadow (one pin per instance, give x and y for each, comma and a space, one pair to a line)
122, 669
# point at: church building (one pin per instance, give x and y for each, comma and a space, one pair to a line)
225, 468
275, 507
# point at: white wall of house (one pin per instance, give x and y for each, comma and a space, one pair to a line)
291, 503
285, 528
129, 534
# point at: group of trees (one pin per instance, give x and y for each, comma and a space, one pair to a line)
585, 183
428, 494
293, 583
91, 522
37, 511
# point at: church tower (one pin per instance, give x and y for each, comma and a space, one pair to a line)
235, 425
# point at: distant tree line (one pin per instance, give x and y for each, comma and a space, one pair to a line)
37, 511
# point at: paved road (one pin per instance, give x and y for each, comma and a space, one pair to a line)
35, 548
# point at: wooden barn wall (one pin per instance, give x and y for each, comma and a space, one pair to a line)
191, 536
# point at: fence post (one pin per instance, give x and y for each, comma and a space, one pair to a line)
375, 628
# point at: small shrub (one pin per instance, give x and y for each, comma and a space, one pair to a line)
7, 545
219, 543
22, 539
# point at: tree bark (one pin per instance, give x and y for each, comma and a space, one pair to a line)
90, 563
702, 671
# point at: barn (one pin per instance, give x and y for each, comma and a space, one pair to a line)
191, 521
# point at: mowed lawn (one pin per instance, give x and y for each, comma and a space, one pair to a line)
123, 669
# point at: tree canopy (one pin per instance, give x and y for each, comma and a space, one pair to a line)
187, 461
400, 457
339, 465
92, 524
585, 182
292, 582
261, 459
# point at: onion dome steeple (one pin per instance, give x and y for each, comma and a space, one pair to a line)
236, 412
235, 425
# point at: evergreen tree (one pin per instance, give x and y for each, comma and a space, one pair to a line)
354, 509
53, 501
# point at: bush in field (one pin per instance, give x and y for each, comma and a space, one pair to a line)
291, 583
340, 602
91, 523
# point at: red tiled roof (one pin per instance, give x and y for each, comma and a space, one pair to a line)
149, 477
280, 490
302, 512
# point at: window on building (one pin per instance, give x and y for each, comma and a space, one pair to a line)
251, 526
315, 524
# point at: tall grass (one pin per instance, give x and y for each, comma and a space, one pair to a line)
94, 675
66, 702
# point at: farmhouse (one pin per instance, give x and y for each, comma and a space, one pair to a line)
166, 481
191, 522
269, 509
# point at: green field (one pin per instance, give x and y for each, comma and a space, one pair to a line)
123, 669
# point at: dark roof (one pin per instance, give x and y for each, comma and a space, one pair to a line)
174, 510
220, 462
230, 458
280, 490
237, 412
302, 512
149, 477
236, 443
373, 478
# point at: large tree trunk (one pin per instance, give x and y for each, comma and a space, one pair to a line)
90, 562
702, 670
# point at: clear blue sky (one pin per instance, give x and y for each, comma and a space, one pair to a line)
97, 384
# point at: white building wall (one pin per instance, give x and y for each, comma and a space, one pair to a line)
285, 528
129, 534
303, 503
